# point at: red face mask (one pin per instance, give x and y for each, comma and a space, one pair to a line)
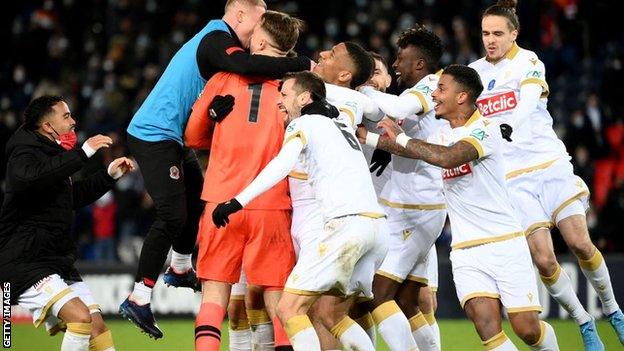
68, 140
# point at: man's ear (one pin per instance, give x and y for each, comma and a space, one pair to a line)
345, 76
462, 97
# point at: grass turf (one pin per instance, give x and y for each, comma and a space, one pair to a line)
457, 335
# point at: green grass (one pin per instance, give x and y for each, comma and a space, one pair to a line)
457, 335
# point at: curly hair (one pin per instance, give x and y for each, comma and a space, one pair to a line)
425, 41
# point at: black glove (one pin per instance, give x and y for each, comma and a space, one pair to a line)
379, 161
223, 210
506, 131
320, 107
220, 107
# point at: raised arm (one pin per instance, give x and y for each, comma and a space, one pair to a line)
399, 107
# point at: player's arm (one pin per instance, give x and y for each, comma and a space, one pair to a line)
399, 107
274, 171
533, 87
396, 142
218, 51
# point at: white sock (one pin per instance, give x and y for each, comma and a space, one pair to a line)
548, 339
352, 336
433, 323
559, 286
262, 337
180, 262
368, 324
595, 270
394, 326
499, 342
422, 333
301, 334
76, 337
240, 340
141, 294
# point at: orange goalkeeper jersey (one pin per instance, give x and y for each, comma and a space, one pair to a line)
243, 143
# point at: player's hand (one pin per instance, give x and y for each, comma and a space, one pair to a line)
506, 131
99, 141
119, 167
223, 210
379, 161
220, 107
361, 133
390, 127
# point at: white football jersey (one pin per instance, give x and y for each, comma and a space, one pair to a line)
415, 182
478, 205
336, 166
534, 141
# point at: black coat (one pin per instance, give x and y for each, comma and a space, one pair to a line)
38, 209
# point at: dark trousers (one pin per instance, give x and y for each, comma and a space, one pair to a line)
174, 180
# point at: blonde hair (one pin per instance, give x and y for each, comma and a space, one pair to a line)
230, 3
283, 28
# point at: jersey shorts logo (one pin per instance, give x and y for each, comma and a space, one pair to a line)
174, 173
456, 172
491, 84
498, 103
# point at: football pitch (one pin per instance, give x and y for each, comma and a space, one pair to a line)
457, 335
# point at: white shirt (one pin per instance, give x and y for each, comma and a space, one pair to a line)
478, 205
534, 140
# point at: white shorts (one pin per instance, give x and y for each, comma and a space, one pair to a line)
545, 196
239, 289
344, 259
307, 223
501, 270
412, 235
432, 269
45, 299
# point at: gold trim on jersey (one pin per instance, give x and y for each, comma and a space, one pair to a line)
298, 175
424, 207
567, 203
372, 215
471, 243
524, 309
478, 294
349, 113
299, 134
540, 82
539, 225
52, 301
515, 49
520, 171
430, 318
239, 324
553, 278
390, 276
473, 118
422, 99
366, 321
416, 279
475, 143
439, 72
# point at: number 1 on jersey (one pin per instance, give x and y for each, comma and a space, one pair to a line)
256, 90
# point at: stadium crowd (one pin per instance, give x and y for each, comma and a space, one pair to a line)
105, 57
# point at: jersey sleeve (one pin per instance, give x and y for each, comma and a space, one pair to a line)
534, 72
482, 137
295, 130
423, 91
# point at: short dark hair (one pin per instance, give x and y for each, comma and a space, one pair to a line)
39, 108
307, 81
283, 28
429, 45
380, 58
507, 9
363, 62
468, 78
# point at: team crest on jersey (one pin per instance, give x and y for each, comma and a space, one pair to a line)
424, 89
174, 172
534, 74
478, 133
498, 103
491, 84
456, 172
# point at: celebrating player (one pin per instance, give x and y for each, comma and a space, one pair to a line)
171, 172
542, 186
490, 257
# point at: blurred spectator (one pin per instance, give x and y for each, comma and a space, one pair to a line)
104, 211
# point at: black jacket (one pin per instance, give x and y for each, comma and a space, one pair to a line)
37, 212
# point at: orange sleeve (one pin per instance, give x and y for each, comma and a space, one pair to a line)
199, 128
